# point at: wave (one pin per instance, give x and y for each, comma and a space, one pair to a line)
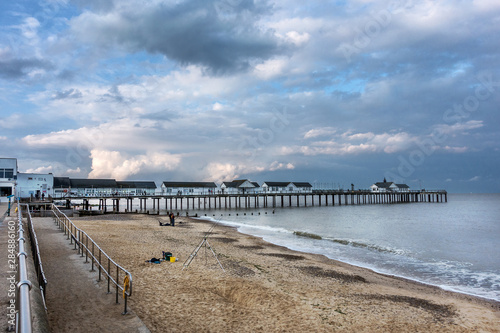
307, 235
238, 225
372, 247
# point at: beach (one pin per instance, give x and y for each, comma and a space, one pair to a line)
268, 288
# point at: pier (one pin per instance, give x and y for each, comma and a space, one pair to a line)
155, 203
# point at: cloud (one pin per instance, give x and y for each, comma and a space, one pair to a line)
458, 128
222, 36
114, 164
474, 179
68, 94
351, 144
322, 131
41, 169
281, 166
270, 69
220, 172
23, 68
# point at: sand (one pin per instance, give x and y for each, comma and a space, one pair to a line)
267, 288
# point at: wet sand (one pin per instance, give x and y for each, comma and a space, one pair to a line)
268, 288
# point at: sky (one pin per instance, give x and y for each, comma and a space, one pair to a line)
329, 92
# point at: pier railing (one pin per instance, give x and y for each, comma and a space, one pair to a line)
23, 301
42, 281
89, 249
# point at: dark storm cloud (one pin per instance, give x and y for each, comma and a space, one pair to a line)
222, 36
20, 68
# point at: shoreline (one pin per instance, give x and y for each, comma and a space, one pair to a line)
372, 269
492, 302
268, 287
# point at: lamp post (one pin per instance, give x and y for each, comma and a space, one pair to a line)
8, 209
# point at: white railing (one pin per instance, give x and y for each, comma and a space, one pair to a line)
23, 320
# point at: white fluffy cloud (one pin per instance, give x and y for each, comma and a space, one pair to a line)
113, 164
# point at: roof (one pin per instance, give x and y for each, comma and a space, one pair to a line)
97, 183
384, 184
285, 184
278, 184
136, 184
62, 182
189, 184
239, 182
302, 184
388, 184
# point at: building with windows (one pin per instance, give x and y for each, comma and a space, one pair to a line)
134, 187
188, 188
240, 186
385, 187
62, 187
8, 178
286, 187
93, 187
35, 185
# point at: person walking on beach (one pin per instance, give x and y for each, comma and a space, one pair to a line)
172, 219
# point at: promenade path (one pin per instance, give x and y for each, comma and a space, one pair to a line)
76, 302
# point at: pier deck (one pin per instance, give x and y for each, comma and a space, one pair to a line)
108, 204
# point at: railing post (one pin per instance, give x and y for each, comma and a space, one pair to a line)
109, 275
125, 309
86, 250
117, 281
100, 268
81, 243
73, 235
92, 257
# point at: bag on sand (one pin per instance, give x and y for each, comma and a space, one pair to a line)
154, 261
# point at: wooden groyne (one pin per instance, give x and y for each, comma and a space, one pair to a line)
252, 200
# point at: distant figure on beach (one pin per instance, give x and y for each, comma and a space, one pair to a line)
172, 219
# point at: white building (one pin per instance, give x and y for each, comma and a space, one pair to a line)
134, 187
35, 185
8, 177
241, 186
387, 187
286, 187
188, 188
93, 187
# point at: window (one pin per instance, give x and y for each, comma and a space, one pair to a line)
6, 173
5, 191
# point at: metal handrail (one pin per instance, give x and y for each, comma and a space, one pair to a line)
23, 320
37, 258
81, 240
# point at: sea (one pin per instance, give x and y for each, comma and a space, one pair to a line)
453, 245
